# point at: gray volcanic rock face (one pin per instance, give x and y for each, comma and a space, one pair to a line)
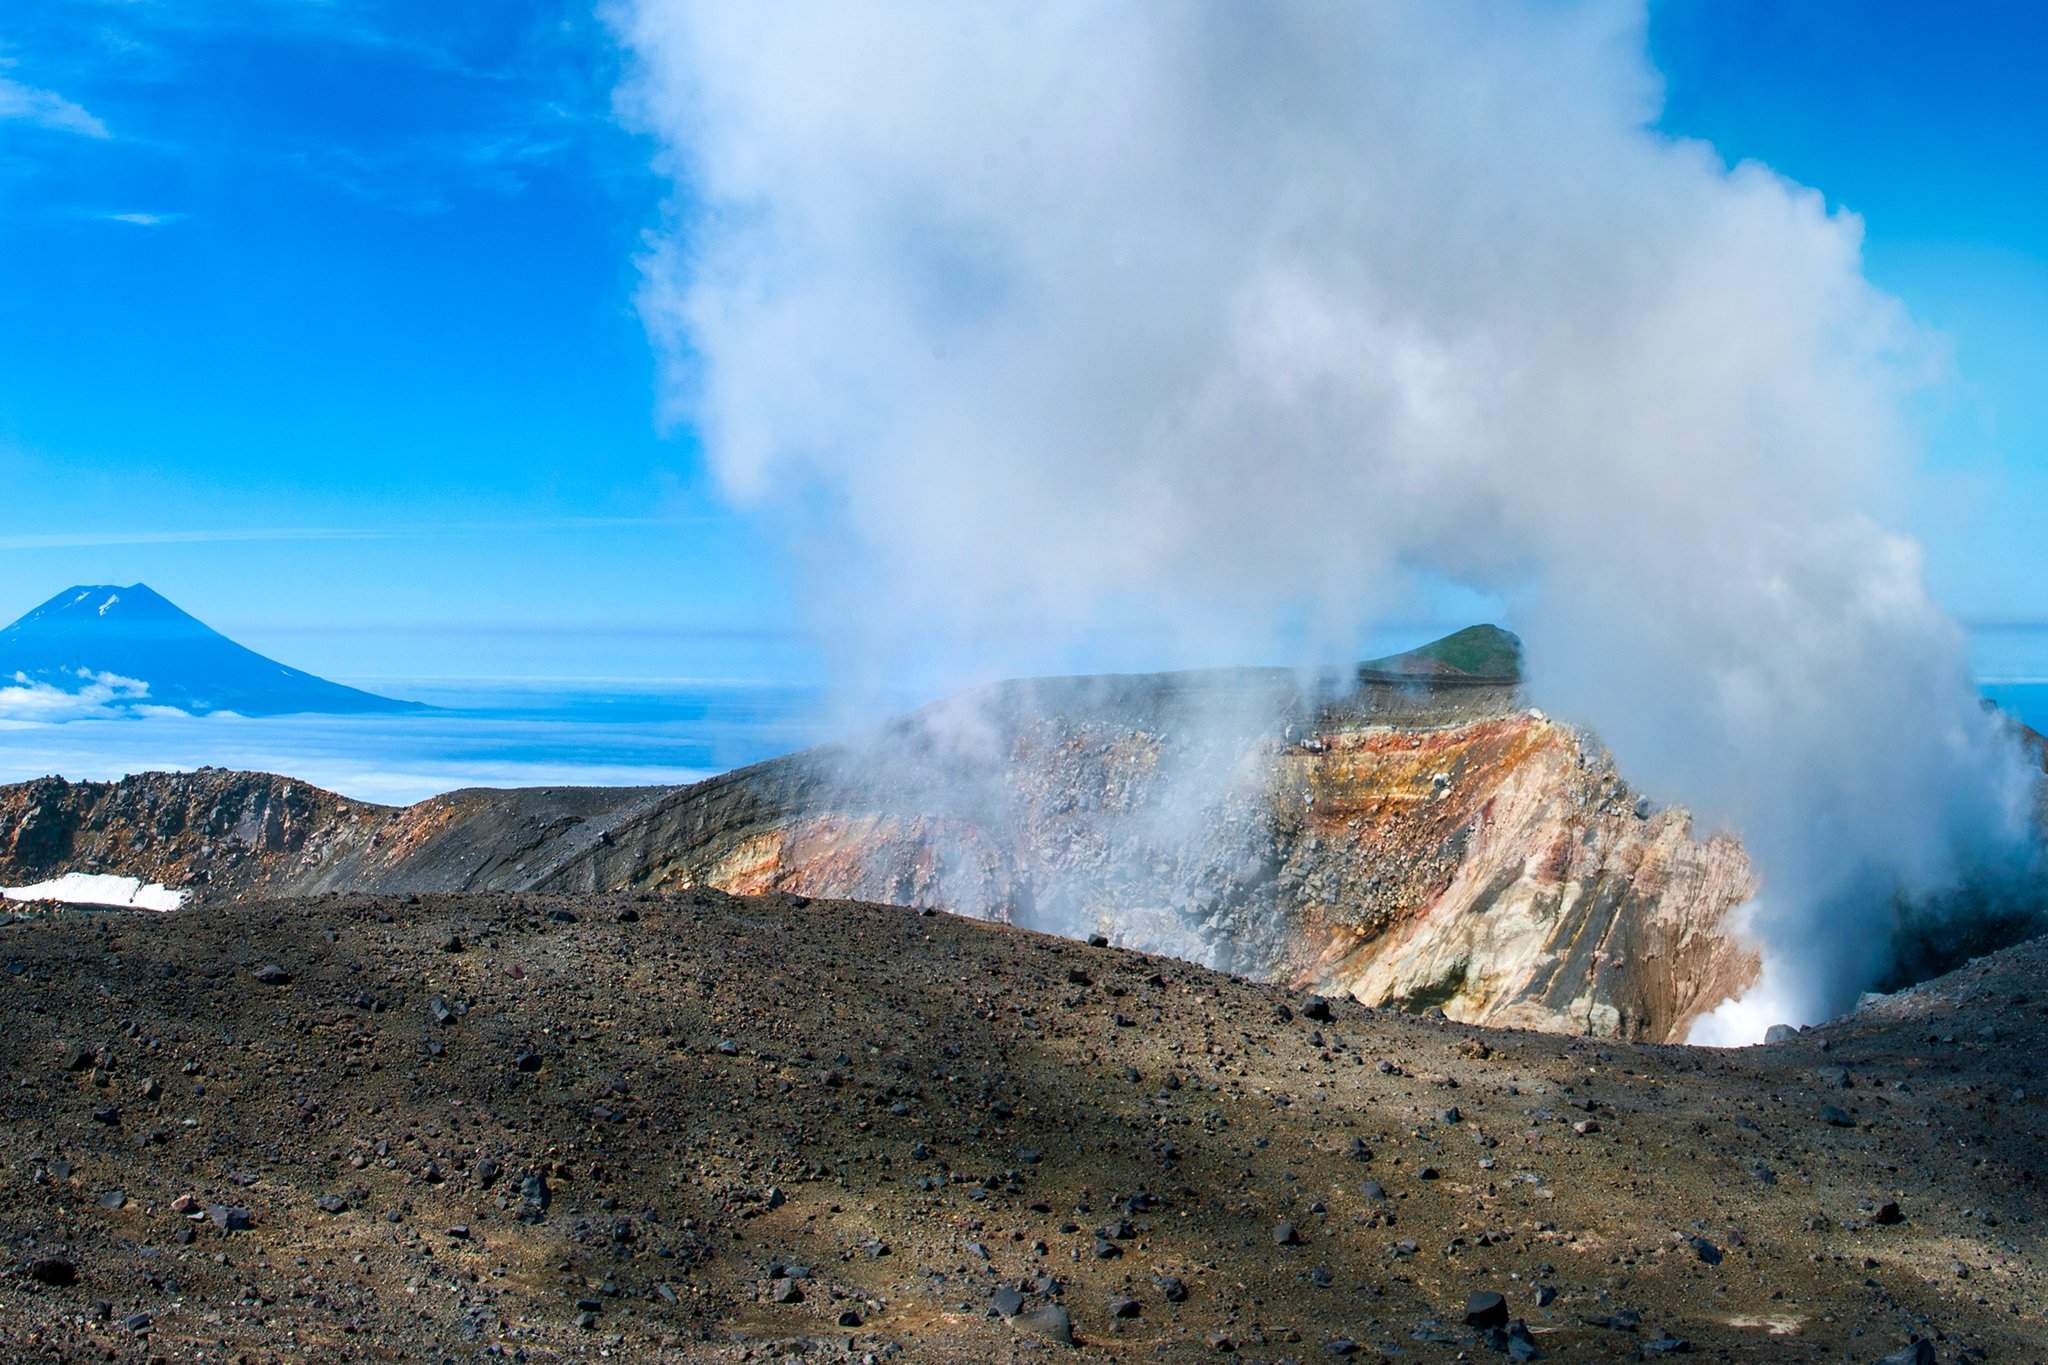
1430, 847
1420, 840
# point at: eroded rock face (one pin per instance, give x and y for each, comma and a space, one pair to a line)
211, 831
1423, 846
1482, 859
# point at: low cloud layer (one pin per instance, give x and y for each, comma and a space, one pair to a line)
35, 701
1223, 315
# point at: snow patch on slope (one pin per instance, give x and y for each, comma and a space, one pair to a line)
93, 888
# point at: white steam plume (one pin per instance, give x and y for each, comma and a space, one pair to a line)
1044, 311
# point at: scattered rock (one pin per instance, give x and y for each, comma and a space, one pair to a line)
229, 1217
1050, 1323
54, 1271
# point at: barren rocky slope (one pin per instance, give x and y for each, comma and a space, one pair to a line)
1422, 839
698, 1128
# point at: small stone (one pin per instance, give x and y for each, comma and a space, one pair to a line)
849, 1318
229, 1217
1124, 1306
1485, 1308
332, 1203
1317, 1008
1834, 1117
1357, 1150
1373, 1190
270, 974
114, 1199
1664, 1344
1705, 1250
137, 1322
1515, 1340
54, 1271
786, 1290
1586, 1127
1006, 1302
1285, 1235
1919, 1351
1050, 1323
1172, 1288
1098, 941
1780, 1033
1887, 1214
1341, 1346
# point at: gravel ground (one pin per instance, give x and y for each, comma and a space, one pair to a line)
706, 1128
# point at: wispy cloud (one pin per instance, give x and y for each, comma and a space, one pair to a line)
79, 540
47, 109
141, 220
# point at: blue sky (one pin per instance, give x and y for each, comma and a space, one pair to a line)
319, 316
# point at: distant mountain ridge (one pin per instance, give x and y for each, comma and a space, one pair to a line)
139, 649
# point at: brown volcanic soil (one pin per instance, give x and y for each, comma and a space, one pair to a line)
923, 1111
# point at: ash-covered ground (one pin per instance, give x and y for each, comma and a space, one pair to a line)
710, 1128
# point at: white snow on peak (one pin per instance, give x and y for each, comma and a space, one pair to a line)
111, 600
80, 598
97, 888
